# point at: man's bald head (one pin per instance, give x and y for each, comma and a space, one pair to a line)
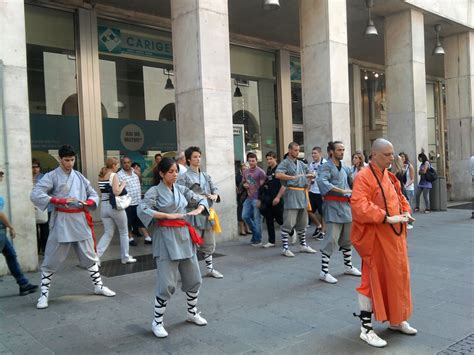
380, 144
382, 153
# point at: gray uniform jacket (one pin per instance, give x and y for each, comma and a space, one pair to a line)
67, 227
329, 177
201, 184
294, 199
169, 243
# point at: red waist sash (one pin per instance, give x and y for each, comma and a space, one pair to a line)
88, 218
195, 237
337, 198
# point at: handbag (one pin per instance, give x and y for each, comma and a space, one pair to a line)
431, 174
120, 202
41, 217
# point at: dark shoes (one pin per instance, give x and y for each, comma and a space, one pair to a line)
28, 288
132, 243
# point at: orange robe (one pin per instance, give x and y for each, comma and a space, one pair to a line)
385, 270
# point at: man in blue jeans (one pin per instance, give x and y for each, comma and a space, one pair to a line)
254, 177
9, 251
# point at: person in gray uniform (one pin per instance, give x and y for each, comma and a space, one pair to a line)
294, 176
335, 182
174, 241
201, 183
70, 224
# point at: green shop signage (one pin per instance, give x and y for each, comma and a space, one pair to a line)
116, 41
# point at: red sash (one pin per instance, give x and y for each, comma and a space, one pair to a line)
88, 219
337, 198
195, 237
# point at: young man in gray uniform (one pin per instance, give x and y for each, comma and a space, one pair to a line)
294, 175
334, 182
72, 196
201, 183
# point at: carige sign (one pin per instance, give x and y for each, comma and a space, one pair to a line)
116, 41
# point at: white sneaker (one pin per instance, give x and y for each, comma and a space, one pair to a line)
196, 319
410, 226
159, 330
214, 273
404, 327
288, 253
259, 244
268, 245
352, 271
104, 291
372, 339
327, 277
130, 260
307, 249
42, 302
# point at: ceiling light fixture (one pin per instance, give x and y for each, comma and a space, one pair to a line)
271, 4
237, 92
169, 84
370, 30
438, 49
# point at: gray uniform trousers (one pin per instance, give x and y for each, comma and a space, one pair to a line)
56, 253
336, 234
209, 245
167, 276
294, 218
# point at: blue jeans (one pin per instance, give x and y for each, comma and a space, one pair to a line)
251, 216
12, 262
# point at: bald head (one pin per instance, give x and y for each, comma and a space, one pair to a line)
382, 153
379, 144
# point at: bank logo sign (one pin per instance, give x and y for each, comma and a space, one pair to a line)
117, 41
109, 40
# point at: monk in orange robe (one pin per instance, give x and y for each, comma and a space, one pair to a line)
380, 214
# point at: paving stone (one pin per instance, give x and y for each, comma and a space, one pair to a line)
265, 304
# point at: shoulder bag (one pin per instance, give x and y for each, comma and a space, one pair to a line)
120, 202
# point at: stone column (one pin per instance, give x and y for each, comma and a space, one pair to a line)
89, 100
325, 77
201, 57
15, 141
357, 109
459, 75
406, 82
285, 115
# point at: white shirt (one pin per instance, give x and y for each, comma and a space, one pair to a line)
182, 169
313, 168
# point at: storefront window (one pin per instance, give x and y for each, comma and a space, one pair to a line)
297, 102
373, 106
253, 101
52, 89
137, 92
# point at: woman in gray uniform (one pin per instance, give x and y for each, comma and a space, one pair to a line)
201, 183
174, 241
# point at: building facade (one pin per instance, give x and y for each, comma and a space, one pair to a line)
115, 78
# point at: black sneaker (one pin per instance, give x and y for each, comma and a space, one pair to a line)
148, 241
317, 232
28, 288
321, 236
132, 243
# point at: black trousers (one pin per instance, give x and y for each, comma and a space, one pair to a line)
272, 214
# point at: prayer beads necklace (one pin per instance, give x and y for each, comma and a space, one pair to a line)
398, 233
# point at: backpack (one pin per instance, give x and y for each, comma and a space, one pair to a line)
431, 174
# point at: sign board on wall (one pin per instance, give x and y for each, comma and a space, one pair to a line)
118, 41
239, 142
139, 135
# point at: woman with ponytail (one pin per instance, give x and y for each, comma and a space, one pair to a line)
174, 241
109, 183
